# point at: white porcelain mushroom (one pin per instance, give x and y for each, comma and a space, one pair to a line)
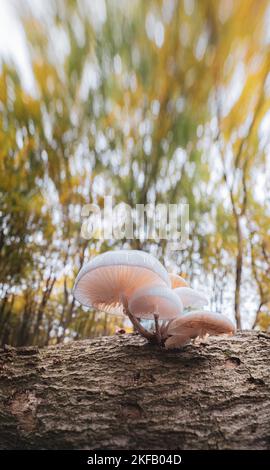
197, 324
177, 281
156, 303
176, 341
155, 300
191, 297
108, 280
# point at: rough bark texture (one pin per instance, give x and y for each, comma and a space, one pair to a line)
120, 393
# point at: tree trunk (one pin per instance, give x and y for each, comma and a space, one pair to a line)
120, 393
238, 273
257, 315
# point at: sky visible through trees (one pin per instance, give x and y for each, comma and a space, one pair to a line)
148, 102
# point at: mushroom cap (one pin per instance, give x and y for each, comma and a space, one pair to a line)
200, 322
157, 300
176, 341
177, 281
104, 281
191, 297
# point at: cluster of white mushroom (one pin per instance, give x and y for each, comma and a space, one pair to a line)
135, 284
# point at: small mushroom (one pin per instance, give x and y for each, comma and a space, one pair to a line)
177, 281
155, 301
177, 341
197, 324
191, 297
120, 331
107, 281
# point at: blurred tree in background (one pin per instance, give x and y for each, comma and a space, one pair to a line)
149, 102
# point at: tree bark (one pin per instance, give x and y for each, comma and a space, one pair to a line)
121, 393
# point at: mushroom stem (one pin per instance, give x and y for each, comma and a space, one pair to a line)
164, 330
158, 332
151, 337
137, 325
